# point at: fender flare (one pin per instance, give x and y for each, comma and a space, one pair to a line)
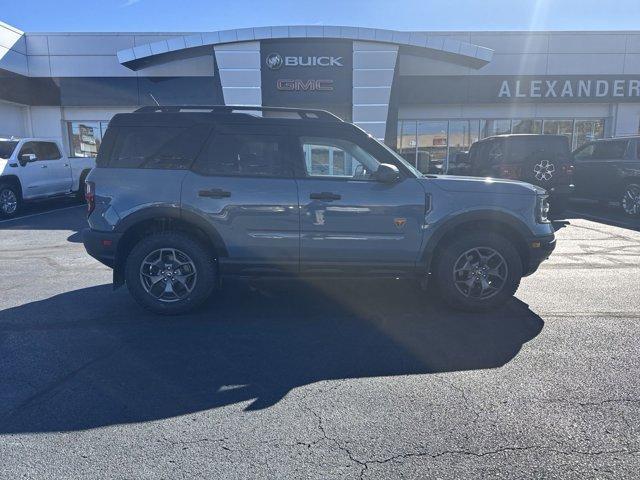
449, 224
13, 178
171, 212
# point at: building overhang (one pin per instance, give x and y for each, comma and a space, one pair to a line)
454, 51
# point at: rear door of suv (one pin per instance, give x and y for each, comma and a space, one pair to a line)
242, 183
349, 220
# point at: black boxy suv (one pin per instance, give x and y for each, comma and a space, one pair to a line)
543, 160
184, 196
609, 170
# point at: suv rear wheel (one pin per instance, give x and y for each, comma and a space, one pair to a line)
631, 199
170, 273
479, 272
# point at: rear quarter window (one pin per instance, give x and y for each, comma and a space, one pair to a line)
154, 147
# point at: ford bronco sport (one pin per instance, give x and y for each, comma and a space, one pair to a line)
185, 196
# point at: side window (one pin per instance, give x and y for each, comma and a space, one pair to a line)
610, 149
330, 157
48, 151
496, 153
244, 155
585, 152
170, 148
29, 148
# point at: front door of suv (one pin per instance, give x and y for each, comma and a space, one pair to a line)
242, 184
596, 166
349, 220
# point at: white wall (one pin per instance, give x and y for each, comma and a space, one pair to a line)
12, 120
627, 120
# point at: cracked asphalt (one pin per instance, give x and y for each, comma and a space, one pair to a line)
318, 380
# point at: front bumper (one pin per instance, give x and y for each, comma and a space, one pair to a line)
101, 245
540, 248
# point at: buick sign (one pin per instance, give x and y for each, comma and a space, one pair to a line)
274, 61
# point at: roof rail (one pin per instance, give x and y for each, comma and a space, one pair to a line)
303, 113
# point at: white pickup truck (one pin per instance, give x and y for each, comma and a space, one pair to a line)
36, 169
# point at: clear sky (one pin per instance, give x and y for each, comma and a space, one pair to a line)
203, 15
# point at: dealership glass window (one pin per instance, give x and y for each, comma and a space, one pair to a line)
432, 146
489, 128
84, 138
462, 134
559, 127
406, 142
526, 125
586, 131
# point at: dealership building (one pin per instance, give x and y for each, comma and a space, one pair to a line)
428, 94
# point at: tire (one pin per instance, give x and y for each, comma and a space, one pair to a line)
463, 251
193, 283
558, 205
630, 199
81, 186
10, 200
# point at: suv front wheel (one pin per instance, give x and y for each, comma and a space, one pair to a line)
170, 273
478, 272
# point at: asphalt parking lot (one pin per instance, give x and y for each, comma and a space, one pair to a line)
322, 380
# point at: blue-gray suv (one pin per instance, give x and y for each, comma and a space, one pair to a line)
183, 197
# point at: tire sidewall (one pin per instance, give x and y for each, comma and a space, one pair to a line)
448, 257
16, 192
624, 192
201, 257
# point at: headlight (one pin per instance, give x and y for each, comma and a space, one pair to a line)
542, 209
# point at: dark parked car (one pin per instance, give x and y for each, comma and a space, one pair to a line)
184, 196
543, 160
609, 170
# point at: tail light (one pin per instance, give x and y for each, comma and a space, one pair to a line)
90, 196
568, 169
510, 171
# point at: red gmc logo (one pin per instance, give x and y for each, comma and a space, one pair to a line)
305, 85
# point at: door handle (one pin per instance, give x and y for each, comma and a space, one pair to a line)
43, 166
326, 196
214, 193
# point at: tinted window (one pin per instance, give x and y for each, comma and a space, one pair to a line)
30, 148
602, 150
530, 148
48, 151
157, 147
244, 155
6, 148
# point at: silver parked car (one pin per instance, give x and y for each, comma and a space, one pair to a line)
184, 196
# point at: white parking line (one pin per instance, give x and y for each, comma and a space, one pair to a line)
41, 213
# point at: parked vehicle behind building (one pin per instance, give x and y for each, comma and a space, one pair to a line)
36, 169
543, 160
184, 196
609, 170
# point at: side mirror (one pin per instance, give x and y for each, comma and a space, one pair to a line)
387, 173
26, 158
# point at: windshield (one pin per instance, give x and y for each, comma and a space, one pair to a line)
397, 156
6, 148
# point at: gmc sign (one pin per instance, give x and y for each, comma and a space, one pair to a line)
304, 85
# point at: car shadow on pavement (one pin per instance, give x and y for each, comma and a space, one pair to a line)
65, 214
91, 358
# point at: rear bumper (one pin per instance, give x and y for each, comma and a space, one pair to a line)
561, 191
101, 245
540, 248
